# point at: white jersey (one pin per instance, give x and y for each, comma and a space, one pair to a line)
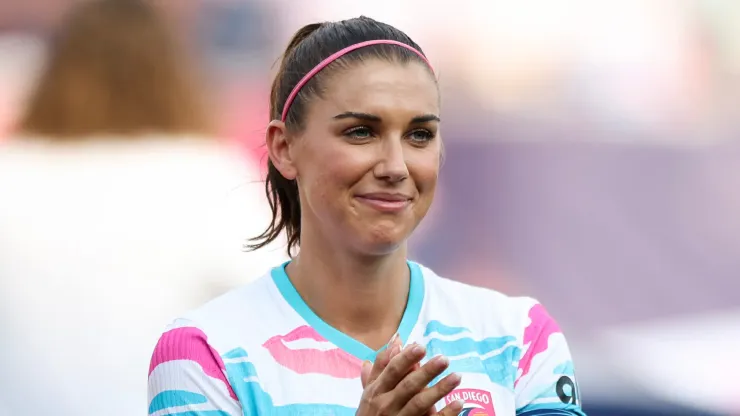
260, 350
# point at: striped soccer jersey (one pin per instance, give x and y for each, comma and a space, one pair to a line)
260, 350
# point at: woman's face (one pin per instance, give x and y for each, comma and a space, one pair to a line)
368, 158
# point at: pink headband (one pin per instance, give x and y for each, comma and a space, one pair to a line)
336, 56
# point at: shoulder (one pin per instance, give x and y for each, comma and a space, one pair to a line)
187, 373
198, 351
223, 321
200, 337
483, 307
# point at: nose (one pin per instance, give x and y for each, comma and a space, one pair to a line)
391, 166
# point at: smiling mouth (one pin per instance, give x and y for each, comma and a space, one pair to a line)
385, 203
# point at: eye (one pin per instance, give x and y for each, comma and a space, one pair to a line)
359, 133
421, 136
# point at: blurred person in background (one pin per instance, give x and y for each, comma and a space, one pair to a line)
119, 211
20, 57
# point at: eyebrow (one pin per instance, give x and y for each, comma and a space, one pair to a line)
372, 117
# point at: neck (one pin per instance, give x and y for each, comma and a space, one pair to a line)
362, 296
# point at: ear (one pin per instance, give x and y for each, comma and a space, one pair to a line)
278, 148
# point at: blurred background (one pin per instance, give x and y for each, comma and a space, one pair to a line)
593, 162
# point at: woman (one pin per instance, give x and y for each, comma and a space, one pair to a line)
350, 326
119, 212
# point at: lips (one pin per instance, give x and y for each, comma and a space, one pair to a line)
385, 196
304, 351
385, 202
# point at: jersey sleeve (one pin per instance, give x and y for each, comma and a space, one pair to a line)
545, 383
187, 377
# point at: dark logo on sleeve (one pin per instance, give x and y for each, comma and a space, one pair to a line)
567, 390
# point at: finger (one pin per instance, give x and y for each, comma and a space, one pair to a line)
399, 367
397, 351
393, 350
382, 360
452, 409
397, 341
417, 381
367, 367
395, 346
427, 398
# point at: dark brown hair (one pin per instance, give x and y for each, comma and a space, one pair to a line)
309, 46
114, 67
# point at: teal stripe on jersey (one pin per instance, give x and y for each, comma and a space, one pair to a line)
255, 401
175, 398
492, 356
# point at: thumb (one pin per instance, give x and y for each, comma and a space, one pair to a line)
367, 366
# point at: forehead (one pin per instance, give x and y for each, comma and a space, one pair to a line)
377, 86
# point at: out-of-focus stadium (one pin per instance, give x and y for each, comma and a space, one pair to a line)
592, 161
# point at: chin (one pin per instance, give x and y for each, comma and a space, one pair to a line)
381, 248
382, 242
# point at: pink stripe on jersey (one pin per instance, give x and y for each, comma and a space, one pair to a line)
333, 361
188, 343
536, 334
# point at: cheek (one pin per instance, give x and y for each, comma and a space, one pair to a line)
331, 172
334, 169
425, 178
425, 171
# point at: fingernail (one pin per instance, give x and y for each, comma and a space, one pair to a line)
454, 379
393, 339
442, 360
392, 351
417, 349
457, 405
366, 363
